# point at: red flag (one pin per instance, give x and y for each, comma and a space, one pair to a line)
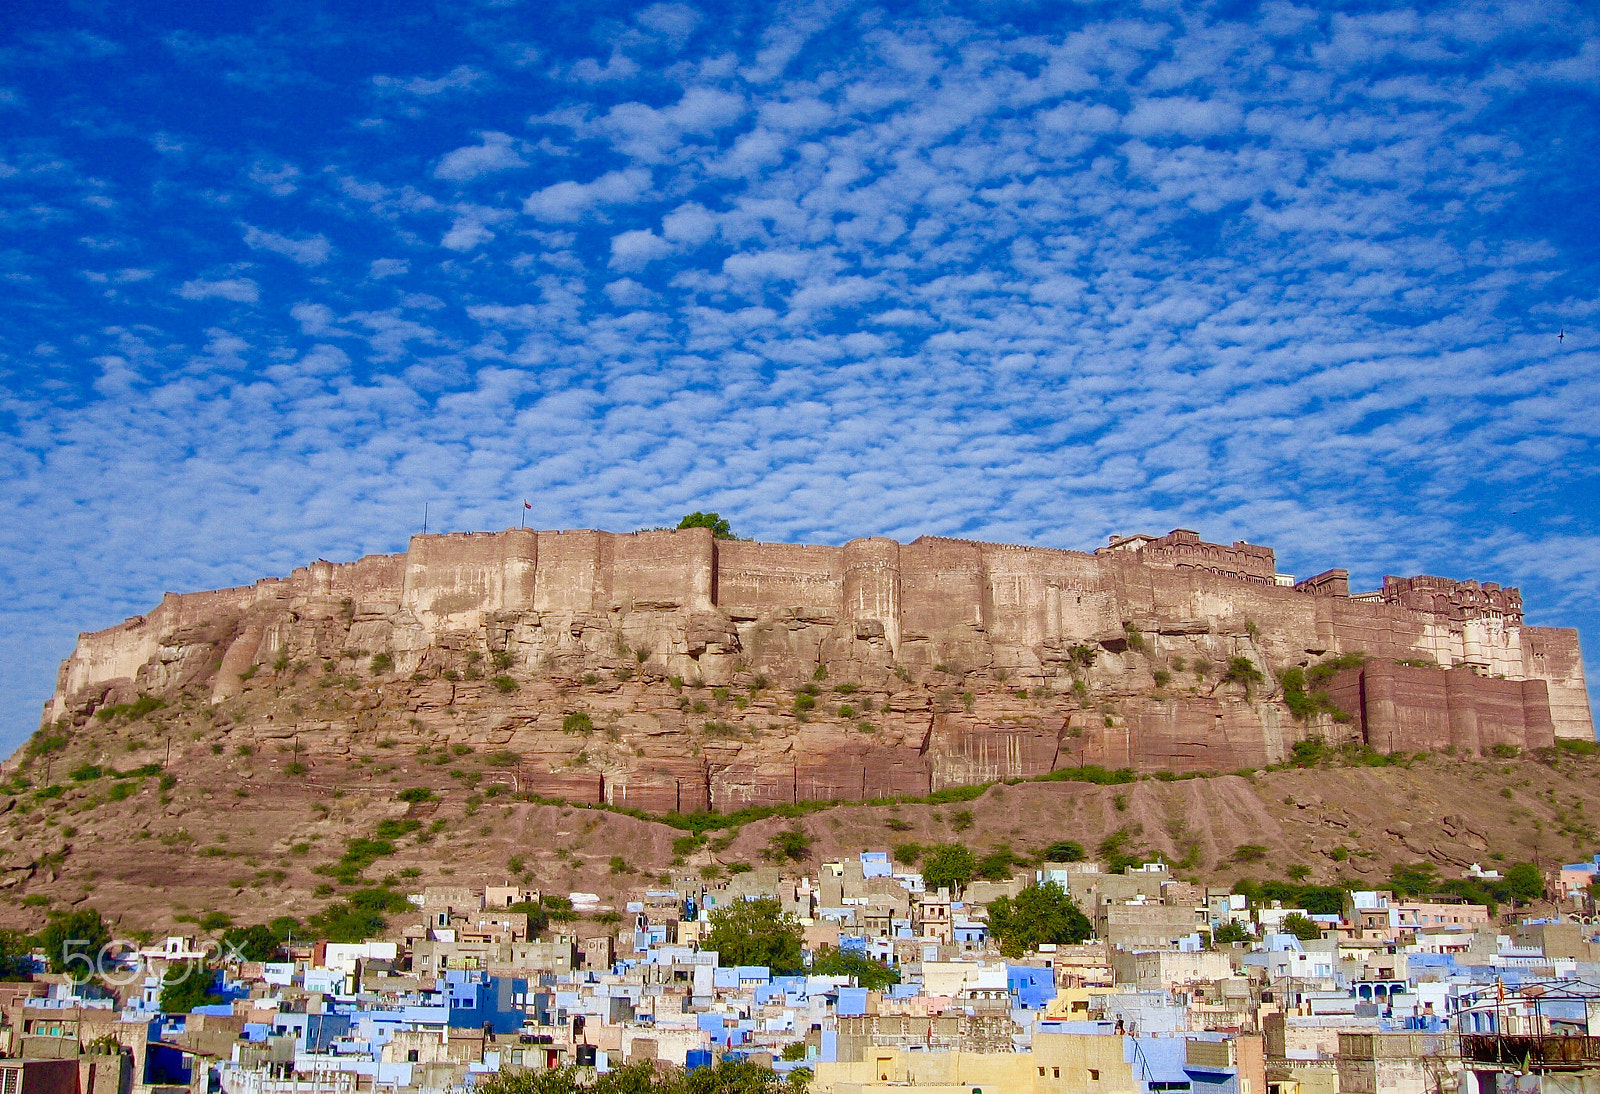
526, 505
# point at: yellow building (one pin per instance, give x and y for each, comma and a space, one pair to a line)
1060, 1063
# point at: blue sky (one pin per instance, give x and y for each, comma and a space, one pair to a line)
1031, 272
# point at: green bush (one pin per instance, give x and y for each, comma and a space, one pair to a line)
578, 722
382, 663
1324, 671
1064, 851
395, 827
416, 794
43, 743
1304, 702
790, 845
1242, 671
998, 864
505, 685
720, 529
144, 704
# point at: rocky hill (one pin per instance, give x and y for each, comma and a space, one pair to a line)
233, 825
220, 751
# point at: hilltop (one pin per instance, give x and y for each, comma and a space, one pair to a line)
534, 703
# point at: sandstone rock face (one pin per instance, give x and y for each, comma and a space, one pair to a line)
669, 671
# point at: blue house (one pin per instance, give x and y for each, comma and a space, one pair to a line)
478, 1000
1032, 987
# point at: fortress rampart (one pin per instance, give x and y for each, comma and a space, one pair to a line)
987, 617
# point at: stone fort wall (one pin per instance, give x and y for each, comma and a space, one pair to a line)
704, 605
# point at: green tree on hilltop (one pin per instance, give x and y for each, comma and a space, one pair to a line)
720, 528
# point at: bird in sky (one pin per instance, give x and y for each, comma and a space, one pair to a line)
1562, 337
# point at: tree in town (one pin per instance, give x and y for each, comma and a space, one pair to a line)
644, 1077
186, 986
1038, 914
999, 864
1232, 931
1302, 927
14, 961
756, 932
257, 943
947, 866
1524, 883
867, 973
72, 942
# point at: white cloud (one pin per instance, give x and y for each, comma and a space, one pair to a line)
649, 133
314, 319
307, 251
278, 178
673, 22
460, 78
388, 267
766, 265
634, 250
1180, 115
690, 224
470, 228
241, 290
494, 152
568, 201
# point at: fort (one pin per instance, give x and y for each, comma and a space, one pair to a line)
979, 661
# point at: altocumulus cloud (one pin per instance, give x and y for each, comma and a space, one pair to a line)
834, 271
241, 290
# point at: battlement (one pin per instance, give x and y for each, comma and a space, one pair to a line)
1182, 548
1458, 601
